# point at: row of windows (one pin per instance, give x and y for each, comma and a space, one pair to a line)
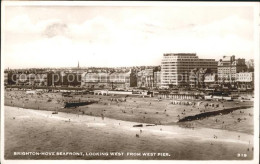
188, 63
165, 80
226, 69
244, 74
245, 78
170, 75
190, 66
171, 72
169, 69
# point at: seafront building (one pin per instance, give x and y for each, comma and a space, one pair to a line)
9, 78
228, 67
175, 68
112, 80
145, 78
197, 77
245, 80
5, 77
157, 79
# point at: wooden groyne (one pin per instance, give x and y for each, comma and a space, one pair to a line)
213, 113
77, 104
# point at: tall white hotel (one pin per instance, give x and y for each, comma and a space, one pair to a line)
175, 67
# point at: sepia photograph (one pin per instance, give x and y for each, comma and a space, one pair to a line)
143, 81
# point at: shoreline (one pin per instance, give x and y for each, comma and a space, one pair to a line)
181, 124
36, 130
99, 122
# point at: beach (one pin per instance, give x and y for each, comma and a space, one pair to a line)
143, 110
28, 130
126, 125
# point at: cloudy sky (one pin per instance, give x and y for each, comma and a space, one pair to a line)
60, 36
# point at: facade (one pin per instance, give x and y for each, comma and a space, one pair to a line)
210, 79
95, 80
62, 78
5, 78
38, 79
200, 78
65, 77
197, 77
72, 79
245, 80
175, 68
22, 79
34, 79
157, 79
228, 67
119, 80
145, 78
9, 78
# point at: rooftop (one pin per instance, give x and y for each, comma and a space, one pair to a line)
179, 54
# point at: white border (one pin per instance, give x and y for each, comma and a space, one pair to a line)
256, 6
256, 74
125, 3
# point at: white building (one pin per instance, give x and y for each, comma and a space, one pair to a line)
210, 78
245, 77
245, 80
228, 67
176, 67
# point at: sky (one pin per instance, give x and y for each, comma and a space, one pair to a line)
113, 36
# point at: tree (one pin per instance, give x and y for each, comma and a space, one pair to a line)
170, 86
223, 81
199, 76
